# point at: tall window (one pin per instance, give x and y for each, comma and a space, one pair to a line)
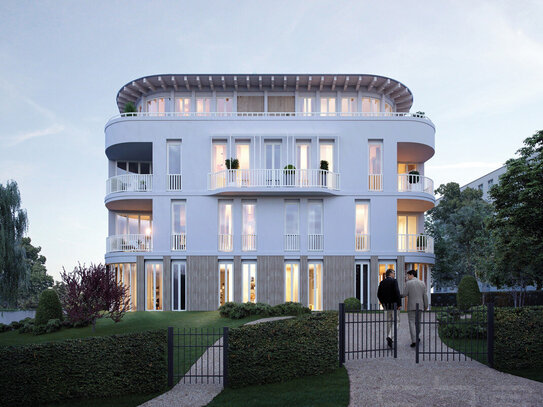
384, 266
248, 239
327, 154
225, 226
153, 282
174, 157
225, 105
203, 105
125, 274
133, 224
183, 105
388, 108
308, 104
371, 105
292, 225
362, 283
362, 237
315, 285
179, 286
133, 167
157, 105
218, 157
226, 278
303, 159
328, 105
375, 165
292, 281
407, 233
314, 226
348, 104
405, 168
179, 225
243, 154
249, 282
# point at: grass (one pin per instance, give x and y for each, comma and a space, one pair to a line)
326, 390
125, 401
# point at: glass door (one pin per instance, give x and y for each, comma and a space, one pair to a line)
273, 163
153, 282
315, 286
362, 283
249, 282
226, 277
303, 160
291, 282
179, 286
407, 233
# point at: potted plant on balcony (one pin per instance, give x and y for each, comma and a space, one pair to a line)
129, 107
421, 243
323, 174
289, 174
414, 177
232, 164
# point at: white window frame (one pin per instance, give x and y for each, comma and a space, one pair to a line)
292, 263
309, 288
183, 262
172, 143
245, 274
154, 263
229, 282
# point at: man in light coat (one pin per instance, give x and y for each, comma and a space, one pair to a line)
415, 291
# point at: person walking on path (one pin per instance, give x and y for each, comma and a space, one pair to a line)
388, 294
415, 291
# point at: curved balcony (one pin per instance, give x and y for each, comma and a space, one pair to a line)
266, 179
415, 183
129, 183
420, 243
129, 243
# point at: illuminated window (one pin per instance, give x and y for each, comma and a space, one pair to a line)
183, 105
384, 266
328, 105
371, 105
292, 282
327, 154
407, 233
362, 237
248, 214
218, 157
249, 282
226, 277
125, 274
307, 104
225, 105
375, 149
388, 108
225, 226
348, 105
203, 105
315, 286
157, 105
153, 282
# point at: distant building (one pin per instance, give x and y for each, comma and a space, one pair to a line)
486, 181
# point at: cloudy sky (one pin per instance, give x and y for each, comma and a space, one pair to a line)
475, 67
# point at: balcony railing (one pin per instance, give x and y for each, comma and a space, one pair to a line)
315, 242
226, 243
361, 242
129, 243
179, 242
248, 243
415, 243
292, 242
415, 183
174, 182
375, 182
268, 178
130, 183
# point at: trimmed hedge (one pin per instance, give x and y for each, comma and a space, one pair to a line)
352, 304
499, 298
83, 368
279, 351
234, 310
443, 299
468, 294
48, 307
518, 338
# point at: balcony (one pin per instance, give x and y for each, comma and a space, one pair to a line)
226, 243
415, 183
315, 242
130, 183
375, 182
361, 242
248, 243
129, 243
174, 182
415, 243
179, 242
272, 179
292, 242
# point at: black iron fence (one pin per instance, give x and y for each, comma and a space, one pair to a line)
197, 355
368, 333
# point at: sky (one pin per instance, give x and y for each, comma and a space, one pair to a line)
474, 67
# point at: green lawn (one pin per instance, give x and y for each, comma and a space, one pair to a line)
326, 390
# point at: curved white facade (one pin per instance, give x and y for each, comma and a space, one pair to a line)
185, 232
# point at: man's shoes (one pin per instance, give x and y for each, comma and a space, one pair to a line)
389, 342
413, 345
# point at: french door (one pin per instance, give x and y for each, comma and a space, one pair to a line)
314, 279
273, 163
226, 287
362, 283
179, 286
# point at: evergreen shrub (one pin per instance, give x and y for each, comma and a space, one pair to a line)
48, 307
352, 304
235, 310
468, 294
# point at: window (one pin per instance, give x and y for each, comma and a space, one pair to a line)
375, 165
362, 237
384, 266
131, 167
292, 282
225, 105
203, 105
480, 187
225, 226
371, 105
153, 282
388, 108
292, 224
243, 154
179, 225
249, 282
125, 274
273, 156
133, 224
490, 183
327, 154
362, 283
157, 105
174, 157
315, 285
348, 105
179, 286
226, 278
314, 217
405, 168
218, 157
248, 240
183, 105
328, 106
407, 233
303, 156
307, 104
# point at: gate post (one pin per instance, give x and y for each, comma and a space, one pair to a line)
417, 332
490, 334
225, 356
341, 346
395, 330
170, 356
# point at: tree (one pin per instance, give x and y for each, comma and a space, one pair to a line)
92, 293
462, 240
13, 223
518, 223
39, 280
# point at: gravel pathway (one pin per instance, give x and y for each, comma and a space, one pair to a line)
391, 382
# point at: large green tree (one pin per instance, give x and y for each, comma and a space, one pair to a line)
38, 280
13, 222
518, 223
462, 239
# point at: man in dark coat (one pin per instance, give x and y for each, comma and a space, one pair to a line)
388, 294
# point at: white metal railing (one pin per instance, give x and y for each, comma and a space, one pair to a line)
361, 242
222, 115
292, 242
375, 182
274, 178
315, 242
415, 243
226, 243
179, 241
130, 183
415, 183
175, 182
248, 243
129, 243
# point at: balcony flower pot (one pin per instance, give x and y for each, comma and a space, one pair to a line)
414, 177
130, 109
232, 164
323, 174
289, 173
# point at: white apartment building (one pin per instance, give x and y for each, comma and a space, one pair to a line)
265, 188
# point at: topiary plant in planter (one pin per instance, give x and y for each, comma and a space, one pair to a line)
414, 177
323, 176
130, 107
232, 164
289, 174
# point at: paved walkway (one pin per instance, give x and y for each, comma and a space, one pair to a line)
386, 381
